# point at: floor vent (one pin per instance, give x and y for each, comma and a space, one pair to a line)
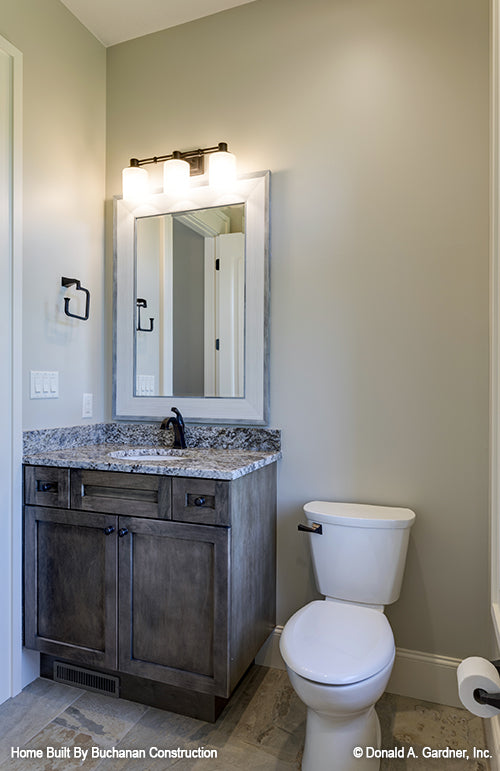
85, 678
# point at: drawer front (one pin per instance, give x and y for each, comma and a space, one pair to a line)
114, 492
202, 501
46, 486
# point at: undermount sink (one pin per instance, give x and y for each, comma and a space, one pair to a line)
147, 453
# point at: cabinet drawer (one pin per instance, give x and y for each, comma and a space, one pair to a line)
46, 486
114, 492
203, 501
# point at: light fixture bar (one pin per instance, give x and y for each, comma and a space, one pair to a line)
178, 167
193, 157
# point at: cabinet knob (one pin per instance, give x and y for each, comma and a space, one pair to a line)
199, 501
122, 531
109, 530
46, 487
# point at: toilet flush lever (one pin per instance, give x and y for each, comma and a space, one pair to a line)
315, 528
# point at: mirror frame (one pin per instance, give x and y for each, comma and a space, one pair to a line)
253, 407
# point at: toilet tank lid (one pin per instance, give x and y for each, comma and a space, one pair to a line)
359, 514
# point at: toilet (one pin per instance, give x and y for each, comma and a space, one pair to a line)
339, 651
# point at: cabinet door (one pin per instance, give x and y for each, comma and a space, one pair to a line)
173, 601
70, 585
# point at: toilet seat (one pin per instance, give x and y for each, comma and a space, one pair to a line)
337, 643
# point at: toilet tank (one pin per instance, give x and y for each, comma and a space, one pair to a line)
360, 555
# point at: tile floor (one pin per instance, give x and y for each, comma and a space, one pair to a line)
262, 729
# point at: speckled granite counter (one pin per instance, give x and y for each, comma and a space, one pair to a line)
150, 434
194, 462
214, 452
207, 463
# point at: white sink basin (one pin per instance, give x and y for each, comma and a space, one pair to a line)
147, 453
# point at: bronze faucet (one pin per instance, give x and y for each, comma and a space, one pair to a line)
177, 424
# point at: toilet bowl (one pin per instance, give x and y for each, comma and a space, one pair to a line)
339, 651
339, 659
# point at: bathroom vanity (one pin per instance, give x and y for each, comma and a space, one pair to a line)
150, 580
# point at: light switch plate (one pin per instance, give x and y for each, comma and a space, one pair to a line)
44, 384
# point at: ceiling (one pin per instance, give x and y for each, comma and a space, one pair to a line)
113, 21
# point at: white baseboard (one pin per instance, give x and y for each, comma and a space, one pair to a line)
425, 676
269, 655
418, 675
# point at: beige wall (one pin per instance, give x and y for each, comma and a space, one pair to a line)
64, 161
373, 118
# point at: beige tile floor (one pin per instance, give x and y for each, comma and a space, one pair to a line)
262, 729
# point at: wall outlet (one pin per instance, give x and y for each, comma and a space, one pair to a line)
44, 385
87, 405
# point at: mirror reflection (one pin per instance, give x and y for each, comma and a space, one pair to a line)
190, 303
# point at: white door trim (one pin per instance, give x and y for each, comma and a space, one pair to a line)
495, 321
13, 452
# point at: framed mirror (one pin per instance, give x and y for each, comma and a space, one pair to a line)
191, 297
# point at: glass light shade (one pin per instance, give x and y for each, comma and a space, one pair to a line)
175, 176
135, 183
222, 171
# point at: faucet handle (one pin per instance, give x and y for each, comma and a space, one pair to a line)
177, 424
180, 419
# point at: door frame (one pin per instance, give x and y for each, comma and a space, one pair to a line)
495, 320
12, 676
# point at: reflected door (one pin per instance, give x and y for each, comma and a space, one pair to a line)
224, 316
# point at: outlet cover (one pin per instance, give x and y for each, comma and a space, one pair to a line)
87, 405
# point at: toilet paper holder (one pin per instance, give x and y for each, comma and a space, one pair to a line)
483, 697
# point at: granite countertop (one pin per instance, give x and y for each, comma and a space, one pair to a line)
207, 463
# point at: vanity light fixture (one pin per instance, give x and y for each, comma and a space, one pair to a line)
222, 169
135, 182
178, 168
176, 174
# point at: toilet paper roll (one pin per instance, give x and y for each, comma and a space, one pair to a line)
476, 672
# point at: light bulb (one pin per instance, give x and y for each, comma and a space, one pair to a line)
222, 169
176, 175
135, 183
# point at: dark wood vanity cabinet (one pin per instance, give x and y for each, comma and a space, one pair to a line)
70, 585
154, 579
174, 603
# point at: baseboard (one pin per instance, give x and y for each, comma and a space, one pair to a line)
418, 675
425, 676
269, 655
